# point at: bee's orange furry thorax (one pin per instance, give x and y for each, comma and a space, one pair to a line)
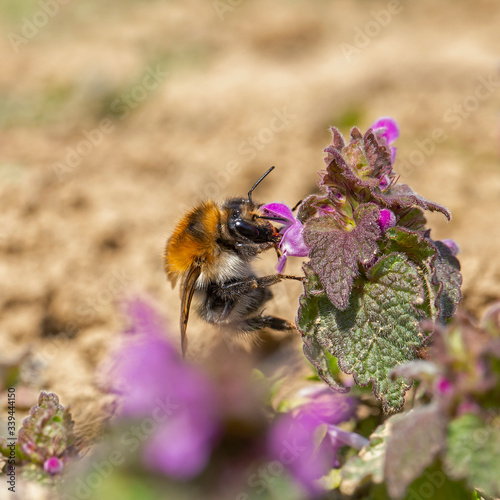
193, 240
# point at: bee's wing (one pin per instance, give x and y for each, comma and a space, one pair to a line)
187, 296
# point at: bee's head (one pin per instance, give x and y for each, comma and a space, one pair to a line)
245, 223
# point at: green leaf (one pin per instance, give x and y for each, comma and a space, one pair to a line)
336, 252
414, 244
378, 331
423, 253
434, 484
368, 465
321, 360
440, 270
412, 218
473, 453
416, 440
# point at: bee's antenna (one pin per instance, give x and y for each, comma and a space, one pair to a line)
258, 182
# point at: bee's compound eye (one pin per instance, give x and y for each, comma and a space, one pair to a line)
246, 229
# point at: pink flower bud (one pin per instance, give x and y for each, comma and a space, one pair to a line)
387, 219
444, 386
452, 245
53, 466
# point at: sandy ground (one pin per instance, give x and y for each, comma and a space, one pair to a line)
116, 117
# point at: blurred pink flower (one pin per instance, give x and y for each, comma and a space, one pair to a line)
157, 383
53, 465
307, 440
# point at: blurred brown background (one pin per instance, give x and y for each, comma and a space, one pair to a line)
117, 116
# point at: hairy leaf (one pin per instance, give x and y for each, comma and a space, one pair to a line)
377, 154
402, 196
308, 312
473, 453
319, 359
412, 218
416, 440
337, 252
422, 252
379, 329
46, 432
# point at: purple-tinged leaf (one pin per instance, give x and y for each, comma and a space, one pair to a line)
308, 208
417, 438
336, 252
356, 135
337, 139
449, 280
339, 170
378, 155
402, 196
412, 218
46, 435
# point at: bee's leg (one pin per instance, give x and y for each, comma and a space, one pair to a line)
260, 322
252, 249
247, 284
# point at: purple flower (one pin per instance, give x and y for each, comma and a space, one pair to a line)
307, 440
292, 240
387, 219
157, 384
388, 129
452, 245
53, 465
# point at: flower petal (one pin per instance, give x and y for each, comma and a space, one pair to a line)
292, 241
279, 210
281, 263
390, 125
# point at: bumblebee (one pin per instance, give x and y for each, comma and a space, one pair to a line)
211, 251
